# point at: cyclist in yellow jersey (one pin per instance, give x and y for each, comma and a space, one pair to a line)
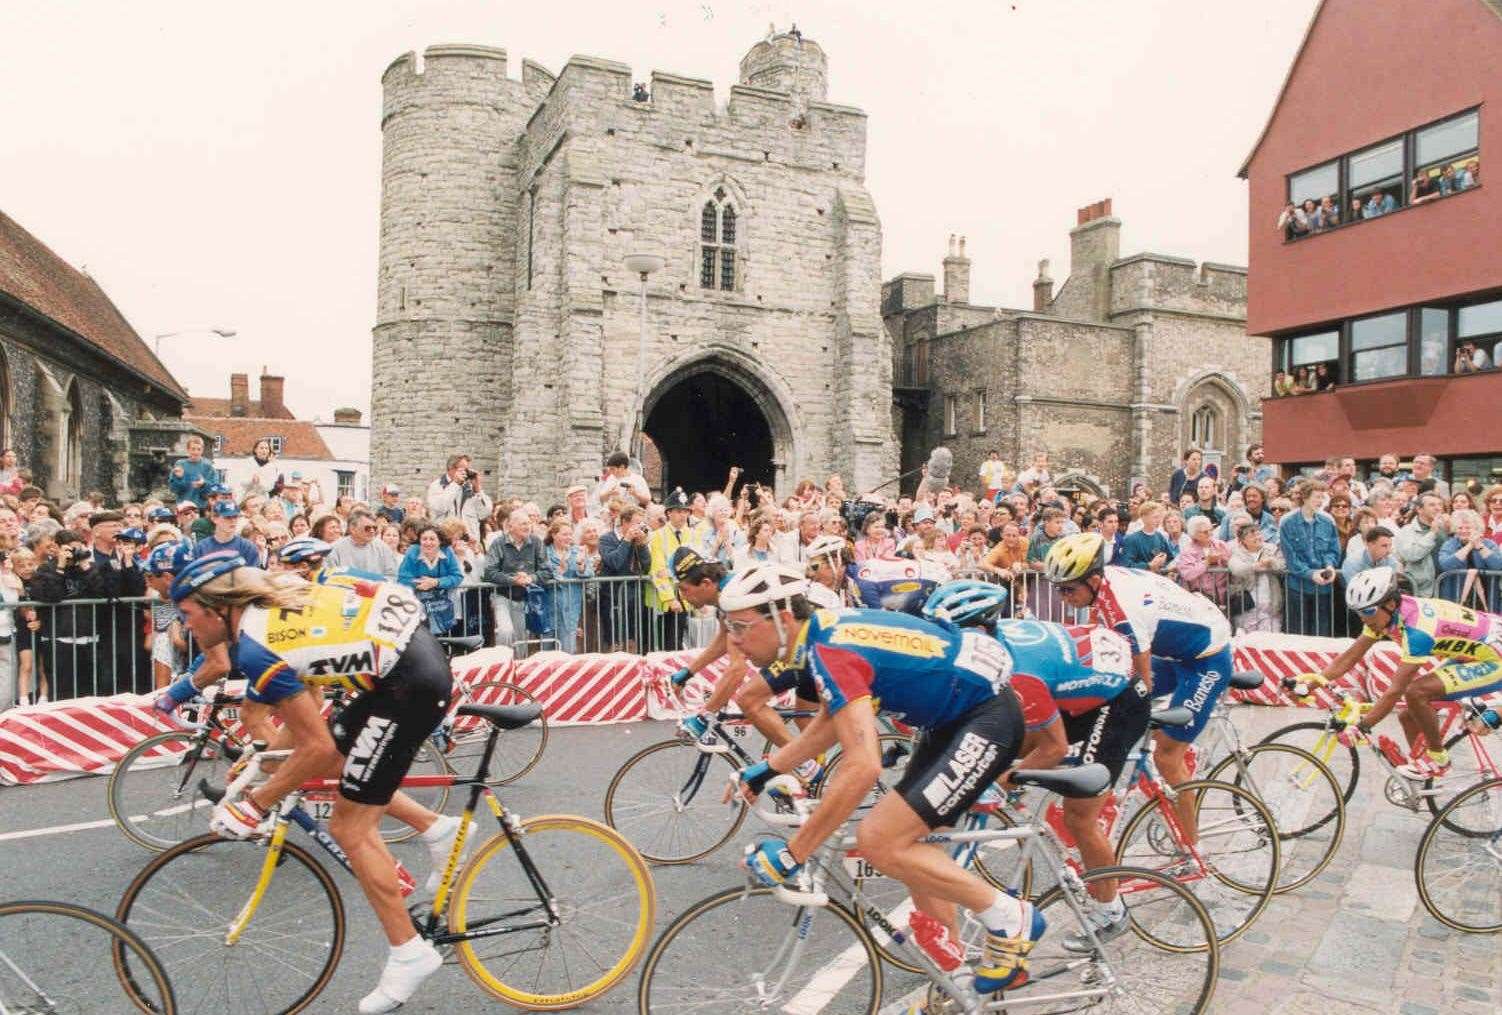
1468, 642
288, 638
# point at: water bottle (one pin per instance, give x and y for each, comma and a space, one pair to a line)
405, 882
1392, 750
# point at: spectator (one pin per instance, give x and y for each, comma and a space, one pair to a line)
1008, 557
1253, 508
360, 550
414, 510
265, 472
1387, 468
10, 475
1256, 589
192, 476
391, 508
993, 475
1309, 212
1311, 549
477, 503
972, 552
1491, 521
1329, 212
1423, 471
1378, 204
1374, 548
1049, 530
1202, 564
874, 542
1465, 553
1418, 543
1173, 531
1339, 507
758, 548
1293, 222
67, 643
299, 525
574, 564
1424, 188
327, 528
31, 683
1283, 385
679, 530
1468, 177
725, 541
1205, 503
1036, 474
1186, 476
514, 563
1447, 181
1469, 359
431, 569
446, 494
294, 498
1324, 379
1148, 547
226, 538
618, 479
623, 554
1108, 524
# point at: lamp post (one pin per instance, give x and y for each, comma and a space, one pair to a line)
643, 264
221, 332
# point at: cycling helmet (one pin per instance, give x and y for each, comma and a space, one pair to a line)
163, 559
202, 571
303, 548
1074, 557
1371, 588
685, 559
761, 585
966, 603
825, 546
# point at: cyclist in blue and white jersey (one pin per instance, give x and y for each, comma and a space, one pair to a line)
1180, 642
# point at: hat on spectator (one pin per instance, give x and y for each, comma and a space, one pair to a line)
677, 500
219, 490
100, 517
186, 505
922, 513
392, 489
576, 488
160, 514
131, 535
78, 510
226, 509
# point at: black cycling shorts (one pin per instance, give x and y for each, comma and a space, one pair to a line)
787, 680
952, 765
380, 732
1106, 735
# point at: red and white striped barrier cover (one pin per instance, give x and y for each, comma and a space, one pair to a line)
596, 688
85, 736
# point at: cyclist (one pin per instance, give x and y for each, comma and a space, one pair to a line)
950, 683
699, 582
827, 561
303, 556
288, 638
1180, 643
1468, 643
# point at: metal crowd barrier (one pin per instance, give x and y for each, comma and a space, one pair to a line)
76, 648
1478, 588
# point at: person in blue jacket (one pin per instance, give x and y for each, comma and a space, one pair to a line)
1469, 550
191, 477
1148, 549
226, 536
431, 569
1254, 506
1311, 547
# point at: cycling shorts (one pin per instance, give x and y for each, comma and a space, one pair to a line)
787, 680
953, 764
1462, 679
379, 732
1195, 684
1105, 735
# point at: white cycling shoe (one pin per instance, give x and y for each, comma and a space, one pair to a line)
445, 829
401, 978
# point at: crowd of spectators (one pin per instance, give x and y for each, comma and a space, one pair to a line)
591, 571
1299, 219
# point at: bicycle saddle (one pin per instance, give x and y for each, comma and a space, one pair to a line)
506, 717
1171, 717
1246, 681
1076, 781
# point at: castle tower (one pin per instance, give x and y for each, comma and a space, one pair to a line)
788, 63
442, 339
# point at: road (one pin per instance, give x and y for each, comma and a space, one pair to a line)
1355, 940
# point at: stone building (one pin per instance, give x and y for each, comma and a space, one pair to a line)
508, 324
83, 401
1131, 362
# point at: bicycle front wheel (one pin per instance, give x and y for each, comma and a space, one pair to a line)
668, 800
59, 958
1305, 800
185, 900
427, 761
745, 950
1319, 740
1233, 866
602, 892
153, 792
1458, 870
517, 751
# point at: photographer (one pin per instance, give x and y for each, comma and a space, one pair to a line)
624, 555
477, 504
114, 573
68, 642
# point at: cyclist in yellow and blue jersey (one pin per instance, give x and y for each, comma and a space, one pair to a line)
1467, 642
950, 684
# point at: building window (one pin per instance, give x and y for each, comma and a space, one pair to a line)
223, 475
717, 237
218, 444
1301, 359
1487, 470
4, 400
1202, 427
531, 230
1419, 166
951, 415
275, 442
1478, 336
1379, 347
980, 412
345, 481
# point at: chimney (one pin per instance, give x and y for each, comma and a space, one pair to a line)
1042, 289
271, 396
956, 273
1094, 245
239, 394
347, 417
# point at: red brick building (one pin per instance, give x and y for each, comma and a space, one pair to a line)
1375, 259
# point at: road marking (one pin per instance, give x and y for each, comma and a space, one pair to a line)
84, 826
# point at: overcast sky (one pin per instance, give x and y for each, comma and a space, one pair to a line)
218, 166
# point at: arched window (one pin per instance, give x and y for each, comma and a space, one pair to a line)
717, 228
73, 441
1203, 427
4, 401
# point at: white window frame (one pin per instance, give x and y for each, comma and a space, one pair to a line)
980, 410
951, 415
276, 442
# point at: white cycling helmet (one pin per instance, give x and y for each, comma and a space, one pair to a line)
1372, 588
762, 585
825, 546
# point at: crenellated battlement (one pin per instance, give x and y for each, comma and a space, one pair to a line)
457, 75
1177, 283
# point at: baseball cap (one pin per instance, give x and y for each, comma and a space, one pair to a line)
227, 509
923, 513
685, 559
186, 505
160, 514
131, 535
392, 489
219, 490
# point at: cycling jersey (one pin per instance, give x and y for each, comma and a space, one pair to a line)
896, 583
919, 672
1156, 615
345, 576
1069, 669
1439, 629
347, 636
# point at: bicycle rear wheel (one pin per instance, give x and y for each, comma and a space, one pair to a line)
1305, 800
605, 900
428, 761
1468, 767
183, 903
1238, 852
517, 751
744, 950
60, 958
667, 800
153, 792
1319, 740
1459, 872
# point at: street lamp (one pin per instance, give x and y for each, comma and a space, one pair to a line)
643, 264
221, 332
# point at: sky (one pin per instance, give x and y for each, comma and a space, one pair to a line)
218, 166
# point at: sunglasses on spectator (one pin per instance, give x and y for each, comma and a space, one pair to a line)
367, 528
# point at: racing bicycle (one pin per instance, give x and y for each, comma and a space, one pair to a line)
1458, 868
60, 959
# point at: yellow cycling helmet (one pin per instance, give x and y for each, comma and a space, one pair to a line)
1074, 557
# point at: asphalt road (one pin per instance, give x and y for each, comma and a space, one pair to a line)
1354, 940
